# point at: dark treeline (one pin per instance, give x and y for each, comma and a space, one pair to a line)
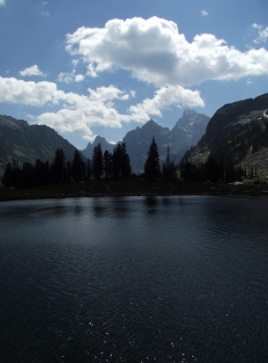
44, 173
115, 166
212, 170
107, 165
111, 166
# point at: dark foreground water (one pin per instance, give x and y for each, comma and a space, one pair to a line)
177, 279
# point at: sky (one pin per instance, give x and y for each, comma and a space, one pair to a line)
88, 68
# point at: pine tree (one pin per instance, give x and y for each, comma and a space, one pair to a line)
108, 164
125, 163
88, 170
152, 165
121, 162
169, 170
58, 168
8, 177
78, 167
117, 161
97, 162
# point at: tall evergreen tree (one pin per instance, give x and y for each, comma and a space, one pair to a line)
88, 170
42, 172
108, 164
121, 162
97, 162
8, 177
169, 170
125, 162
152, 164
78, 167
117, 161
58, 168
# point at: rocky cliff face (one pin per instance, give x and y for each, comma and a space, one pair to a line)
186, 133
189, 129
105, 145
138, 142
26, 143
228, 114
239, 133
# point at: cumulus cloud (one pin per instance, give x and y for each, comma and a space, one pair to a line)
70, 77
32, 71
79, 113
263, 33
164, 98
154, 51
27, 93
2, 2
76, 113
204, 13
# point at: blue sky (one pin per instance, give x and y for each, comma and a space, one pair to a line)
105, 67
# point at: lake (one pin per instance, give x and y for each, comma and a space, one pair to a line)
134, 279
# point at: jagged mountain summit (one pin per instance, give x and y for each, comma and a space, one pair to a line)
186, 133
238, 132
26, 143
138, 142
189, 129
105, 145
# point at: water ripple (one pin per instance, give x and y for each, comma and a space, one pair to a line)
179, 279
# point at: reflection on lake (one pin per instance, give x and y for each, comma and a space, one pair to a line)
134, 279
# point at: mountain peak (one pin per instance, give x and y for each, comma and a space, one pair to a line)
188, 111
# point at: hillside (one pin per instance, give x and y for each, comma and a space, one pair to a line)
239, 133
26, 143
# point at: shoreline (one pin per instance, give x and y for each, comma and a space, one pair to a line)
128, 189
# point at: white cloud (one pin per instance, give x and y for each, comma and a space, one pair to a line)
2, 2
164, 98
27, 93
204, 13
76, 113
32, 71
70, 77
79, 78
79, 113
152, 51
155, 52
66, 77
263, 33
75, 62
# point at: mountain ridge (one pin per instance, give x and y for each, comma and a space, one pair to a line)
238, 132
27, 143
178, 139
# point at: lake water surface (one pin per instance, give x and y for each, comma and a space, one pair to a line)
134, 279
